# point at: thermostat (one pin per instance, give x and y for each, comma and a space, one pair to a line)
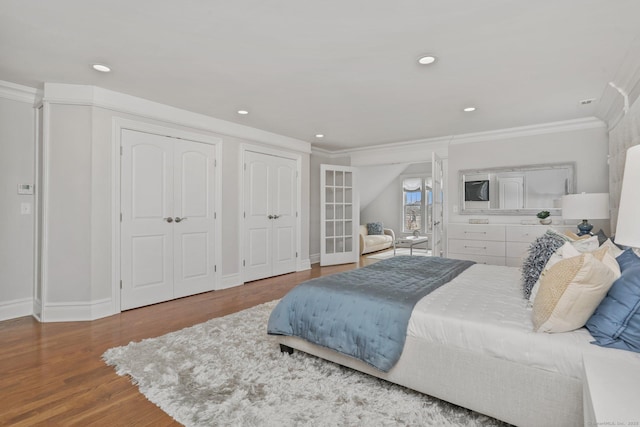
25, 188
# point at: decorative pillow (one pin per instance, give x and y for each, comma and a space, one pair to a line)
375, 228
589, 244
601, 237
616, 322
628, 259
613, 248
563, 252
570, 292
573, 236
539, 253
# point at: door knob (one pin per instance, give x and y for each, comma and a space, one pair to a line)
276, 216
270, 217
178, 219
168, 219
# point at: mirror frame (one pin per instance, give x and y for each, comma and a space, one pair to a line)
571, 188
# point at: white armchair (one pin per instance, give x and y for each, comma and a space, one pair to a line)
377, 242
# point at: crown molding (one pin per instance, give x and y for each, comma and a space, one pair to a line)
57, 93
18, 92
437, 144
522, 131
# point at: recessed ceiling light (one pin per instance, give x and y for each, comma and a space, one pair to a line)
426, 60
319, 135
243, 112
469, 109
101, 67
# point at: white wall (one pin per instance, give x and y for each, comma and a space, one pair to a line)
17, 130
387, 206
587, 147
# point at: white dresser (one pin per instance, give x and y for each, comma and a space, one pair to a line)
497, 244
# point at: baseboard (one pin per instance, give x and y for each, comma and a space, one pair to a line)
304, 265
16, 308
76, 311
229, 281
314, 259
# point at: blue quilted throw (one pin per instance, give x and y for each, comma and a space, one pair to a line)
363, 313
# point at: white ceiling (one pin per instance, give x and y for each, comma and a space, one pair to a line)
344, 68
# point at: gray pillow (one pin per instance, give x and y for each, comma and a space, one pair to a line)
375, 228
601, 237
539, 253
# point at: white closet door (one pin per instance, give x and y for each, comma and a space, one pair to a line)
284, 208
194, 222
258, 224
339, 215
146, 235
270, 201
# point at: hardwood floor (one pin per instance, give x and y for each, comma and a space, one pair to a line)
52, 373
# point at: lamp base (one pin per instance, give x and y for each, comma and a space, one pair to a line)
584, 227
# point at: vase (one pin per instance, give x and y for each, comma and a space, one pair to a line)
545, 221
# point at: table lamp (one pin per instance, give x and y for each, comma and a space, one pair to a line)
585, 205
628, 228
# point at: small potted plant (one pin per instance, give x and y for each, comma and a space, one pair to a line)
544, 217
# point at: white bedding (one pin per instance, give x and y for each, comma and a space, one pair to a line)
483, 310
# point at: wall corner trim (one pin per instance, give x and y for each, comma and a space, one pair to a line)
16, 308
230, 281
77, 311
304, 264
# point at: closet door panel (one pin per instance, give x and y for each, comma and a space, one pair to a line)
258, 239
285, 222
194, 223
146, 236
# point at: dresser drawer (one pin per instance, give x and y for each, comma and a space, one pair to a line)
477, 247
480, 259
525, 233
476, 232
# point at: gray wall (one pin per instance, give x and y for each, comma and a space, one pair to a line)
17, 128
587, 147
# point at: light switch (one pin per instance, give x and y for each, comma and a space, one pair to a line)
25, 208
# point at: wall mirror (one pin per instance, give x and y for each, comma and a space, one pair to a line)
518, 190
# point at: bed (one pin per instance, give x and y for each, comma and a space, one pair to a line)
470, 342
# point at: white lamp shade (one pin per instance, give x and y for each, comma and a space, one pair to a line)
585, 206
628, 228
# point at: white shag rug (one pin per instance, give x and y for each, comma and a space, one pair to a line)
229, 372
400, 251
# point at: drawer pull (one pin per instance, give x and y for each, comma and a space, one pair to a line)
478, 232
475, 247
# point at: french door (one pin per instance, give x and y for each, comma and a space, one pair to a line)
270, 215
168, 218
339, 215
437, 218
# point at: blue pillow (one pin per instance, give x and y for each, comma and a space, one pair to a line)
628, 259
616, 321
375, 228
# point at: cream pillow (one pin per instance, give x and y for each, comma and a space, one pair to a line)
613, 249
570, 291
589, 244
567, 251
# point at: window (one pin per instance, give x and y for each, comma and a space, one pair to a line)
417, 205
